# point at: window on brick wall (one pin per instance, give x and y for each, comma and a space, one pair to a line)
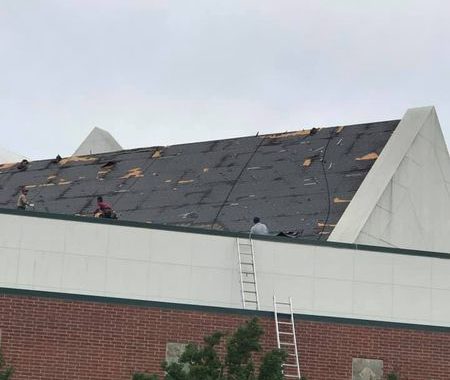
367, 369
174, 351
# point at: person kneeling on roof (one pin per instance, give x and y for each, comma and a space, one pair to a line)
258, 227
22, 201
104, 209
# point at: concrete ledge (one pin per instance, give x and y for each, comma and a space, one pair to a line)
70, 297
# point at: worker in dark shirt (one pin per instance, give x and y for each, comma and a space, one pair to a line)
104, 209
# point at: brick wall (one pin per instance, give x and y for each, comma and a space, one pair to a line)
55, 338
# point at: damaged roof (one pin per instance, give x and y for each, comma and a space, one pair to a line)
299, 182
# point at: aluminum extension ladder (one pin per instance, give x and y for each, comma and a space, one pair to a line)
286, 339
247, 270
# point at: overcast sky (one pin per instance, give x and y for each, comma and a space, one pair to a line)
155, 72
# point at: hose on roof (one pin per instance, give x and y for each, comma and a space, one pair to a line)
320, 234
236, 181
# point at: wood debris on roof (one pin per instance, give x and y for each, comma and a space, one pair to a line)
69, 160
8, 165
105, 169
133, 173
303, 132
340, 200
157, 153
307, 162
368, 156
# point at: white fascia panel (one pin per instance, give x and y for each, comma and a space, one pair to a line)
363, 203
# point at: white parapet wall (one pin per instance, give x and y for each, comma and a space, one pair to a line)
140, 262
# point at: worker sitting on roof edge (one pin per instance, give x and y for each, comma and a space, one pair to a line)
22, 201
104, 209
258, 227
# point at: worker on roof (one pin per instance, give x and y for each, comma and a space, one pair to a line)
258, 228
104, 209
22, 201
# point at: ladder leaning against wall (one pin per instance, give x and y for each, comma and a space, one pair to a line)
247, 270
286, 337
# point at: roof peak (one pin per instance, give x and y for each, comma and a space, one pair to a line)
98, 141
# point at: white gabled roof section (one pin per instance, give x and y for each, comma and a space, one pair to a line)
404, 201
7, 156
98, 141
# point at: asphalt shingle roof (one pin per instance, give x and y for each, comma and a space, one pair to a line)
299, 181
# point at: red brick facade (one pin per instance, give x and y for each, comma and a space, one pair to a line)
50, 338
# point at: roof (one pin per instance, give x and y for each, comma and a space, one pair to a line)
295, 181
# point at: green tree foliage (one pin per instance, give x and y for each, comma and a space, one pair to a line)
197, 362
5, 371
205, 363
272, 365
144, 376
392, 376
240, 348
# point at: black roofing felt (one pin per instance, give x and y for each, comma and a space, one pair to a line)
216, 184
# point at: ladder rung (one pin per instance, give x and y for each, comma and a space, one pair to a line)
287, 344
248, 282
246, 253
252, 301
283, 303
245, 272
289, 365
249, 291
286, 333
243, 243
296, 376
246, 263
284, 323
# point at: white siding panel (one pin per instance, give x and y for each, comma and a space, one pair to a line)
127, 243
126, 277
336, 264
333, 297
94, 242
11, 232
372, 299
84, 273
441, 306
373, 267
412, 304
46, 235
412, 271
9, 262
203, 269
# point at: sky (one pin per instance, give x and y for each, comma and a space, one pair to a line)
156, 72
